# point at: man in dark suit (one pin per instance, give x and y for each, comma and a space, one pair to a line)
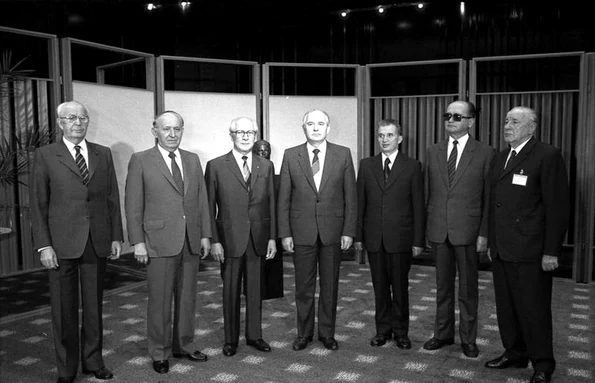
317, 220
242, 202
529, 213
272, 281
77, 224
169, 224
457, 192
391, 226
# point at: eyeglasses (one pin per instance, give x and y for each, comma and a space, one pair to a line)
242, 133
455, 117
71, 118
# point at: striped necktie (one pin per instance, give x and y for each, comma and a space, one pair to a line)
246, 171
315, 162
82, 165
452, 162
176, 173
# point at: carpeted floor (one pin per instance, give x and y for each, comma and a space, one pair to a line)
26, 350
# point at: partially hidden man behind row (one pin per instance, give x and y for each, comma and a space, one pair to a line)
169, 225
457, 192
77, 224
390, 227
317, 217
242, 203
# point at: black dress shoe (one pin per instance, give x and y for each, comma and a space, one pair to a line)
503, 362
161, 366
403, 342
329, 343
380, 339
196, 356
301, 342
69, 379
435, 343
259, 344
470, 350
101, 374
541, 376
229, 349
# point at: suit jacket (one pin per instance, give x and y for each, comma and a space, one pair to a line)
460, 211
160, 214
304, 212
529, 221
392, 214
239, 211
65, 211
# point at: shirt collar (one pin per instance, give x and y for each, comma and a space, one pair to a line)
165, 153
521, 146
461, 141
238, 156
392, 157
70, 145
321, 147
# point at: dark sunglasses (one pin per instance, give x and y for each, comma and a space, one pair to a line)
455, 117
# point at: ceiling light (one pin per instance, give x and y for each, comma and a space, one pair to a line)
420, 5
381, 9
151, 6
344, 14
185, 5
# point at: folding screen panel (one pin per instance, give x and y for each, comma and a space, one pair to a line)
200, 90
29, 92
291, 90
117, 87
552, 85
415, 94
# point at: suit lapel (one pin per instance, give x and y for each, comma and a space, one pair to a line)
442, 170
162, 166
233, 167
377, 170
256, 170
186, 165
93, 158
396, 169
466, 158
304, 161
65, 158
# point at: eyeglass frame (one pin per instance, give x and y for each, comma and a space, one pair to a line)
72, 118
456, 117
242, 133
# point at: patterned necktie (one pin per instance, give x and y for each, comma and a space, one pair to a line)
315, 162
175, 171
452, 162
510, 159
386, 169
246, 171
82, 165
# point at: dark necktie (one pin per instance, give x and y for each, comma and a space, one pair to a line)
452, 162
386, 169
246, 171
315, 162
175, 171
82, 165
510, 159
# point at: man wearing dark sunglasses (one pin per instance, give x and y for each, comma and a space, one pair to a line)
457, 183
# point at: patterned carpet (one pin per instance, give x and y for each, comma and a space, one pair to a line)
26, 350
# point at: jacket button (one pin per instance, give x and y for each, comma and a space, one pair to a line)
497, 205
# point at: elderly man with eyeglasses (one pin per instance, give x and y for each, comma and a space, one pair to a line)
242, 201
76, 224
457, 190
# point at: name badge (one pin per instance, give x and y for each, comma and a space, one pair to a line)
519, 179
